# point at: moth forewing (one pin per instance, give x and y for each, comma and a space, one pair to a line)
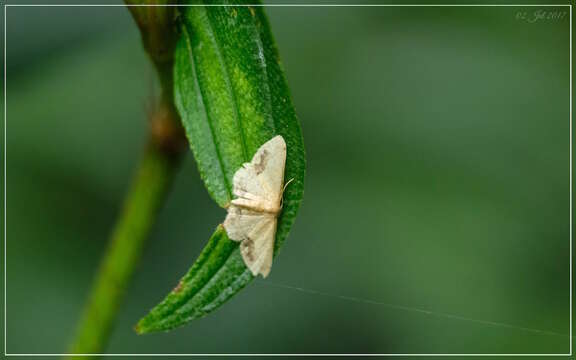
252, 216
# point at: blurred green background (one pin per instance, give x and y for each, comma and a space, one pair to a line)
438, 179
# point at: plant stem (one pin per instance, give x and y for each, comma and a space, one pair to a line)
157, 168
148, 189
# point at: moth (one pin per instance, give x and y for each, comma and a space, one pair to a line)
253, 215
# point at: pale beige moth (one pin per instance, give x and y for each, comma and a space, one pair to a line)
253, 215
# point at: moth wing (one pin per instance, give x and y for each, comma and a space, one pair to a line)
256, 232
261, 180
269, 162
258, 250
240, 222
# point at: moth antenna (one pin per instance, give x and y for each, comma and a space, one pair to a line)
284, 188
286, 185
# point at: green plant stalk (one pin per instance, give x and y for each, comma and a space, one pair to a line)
157, 168
147, 192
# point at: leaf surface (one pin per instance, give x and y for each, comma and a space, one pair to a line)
232, 95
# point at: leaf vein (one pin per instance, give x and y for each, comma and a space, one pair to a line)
207, 117
266, 85
229, 86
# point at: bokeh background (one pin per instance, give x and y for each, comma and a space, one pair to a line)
438, 179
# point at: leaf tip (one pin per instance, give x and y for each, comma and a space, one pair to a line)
137, 329
145, 326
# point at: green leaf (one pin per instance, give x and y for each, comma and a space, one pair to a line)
232, 96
